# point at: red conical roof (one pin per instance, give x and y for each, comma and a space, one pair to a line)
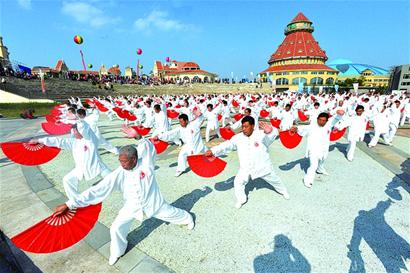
300, 18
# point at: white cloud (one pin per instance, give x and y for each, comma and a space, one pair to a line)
87, 14
160, 20
26, 4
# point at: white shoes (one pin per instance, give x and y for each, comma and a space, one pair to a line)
324, 172
191, 225
307, 184
112, 260
238, 204
286, 196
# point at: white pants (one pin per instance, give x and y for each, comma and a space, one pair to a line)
350, 149
316, 164
376, 137
224, 119
122, 223
240, 182
391, 133
208, 132
403, 119
70, 183
182, 158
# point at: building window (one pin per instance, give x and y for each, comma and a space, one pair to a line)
406, 76
316, 80
296, 81
282, 81
321, 72
313, 72
405, 83
330, 81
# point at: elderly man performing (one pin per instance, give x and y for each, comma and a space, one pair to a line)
253, 153
84, 146
141, 197
190, 134
318, 141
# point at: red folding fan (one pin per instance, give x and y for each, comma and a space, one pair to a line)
160, 146
368, 125
275, 122
56, 128
50, 118
206, 166
121, 113
29, 154
336, 134
290, 139
100, 106
302, 116
238, 116
219, 117
235, 103
56, 233
264, 114
141, 130
172, 114
131, 117
226, 133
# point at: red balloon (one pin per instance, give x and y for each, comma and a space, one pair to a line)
139, 51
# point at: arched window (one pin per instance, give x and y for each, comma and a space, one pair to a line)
186, 79
296, 81
330, 81
282, 81
316, 80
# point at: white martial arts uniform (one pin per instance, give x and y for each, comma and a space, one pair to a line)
88, 163
212, 123
406, 112
92, 120
381, 127
191, 136
254, 161
161, 123
141, 197
287, 119
318, 140
357, 129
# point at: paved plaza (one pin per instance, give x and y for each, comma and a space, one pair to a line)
354, 220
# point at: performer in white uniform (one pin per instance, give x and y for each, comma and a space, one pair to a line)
357, 128
253, 153
318, 140
141, 197
212, 124
88, 163
161, 123
190, 134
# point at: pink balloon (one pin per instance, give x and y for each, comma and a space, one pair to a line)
168, 59
139, 51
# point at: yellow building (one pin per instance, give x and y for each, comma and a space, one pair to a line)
299, 62
129, 72
4, 55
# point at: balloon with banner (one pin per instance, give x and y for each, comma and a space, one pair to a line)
300, 87
43, 84
336, 88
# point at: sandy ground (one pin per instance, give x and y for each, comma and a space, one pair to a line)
356, 218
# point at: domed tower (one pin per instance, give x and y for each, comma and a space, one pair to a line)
299, 60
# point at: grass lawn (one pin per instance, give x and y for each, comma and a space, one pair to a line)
13, 110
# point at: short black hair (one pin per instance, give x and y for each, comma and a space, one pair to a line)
81, 113
288, 105
316, 103
249, 119
359, 107
157, 107
71, 110
323, 115
210, 105
183, 116
248, 110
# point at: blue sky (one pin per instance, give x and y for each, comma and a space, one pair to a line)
221, 36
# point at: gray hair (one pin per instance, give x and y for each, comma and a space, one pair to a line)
129, 150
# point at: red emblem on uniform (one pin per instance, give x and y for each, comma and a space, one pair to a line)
142, 175
256, 144
192, 131
85, 148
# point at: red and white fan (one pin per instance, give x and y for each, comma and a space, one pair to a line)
235, 103
302, 116
206, 166
56, 128
56, 233
226, 133
160, 146
29, 154
141, 130
275, 122
336, 134
264, 114
238, 117
290, 139
100, 106
172, 114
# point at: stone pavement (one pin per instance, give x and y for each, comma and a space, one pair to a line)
319, 229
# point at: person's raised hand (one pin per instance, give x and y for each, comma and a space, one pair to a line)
266, 127
129, 131
209, 153
34, 141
